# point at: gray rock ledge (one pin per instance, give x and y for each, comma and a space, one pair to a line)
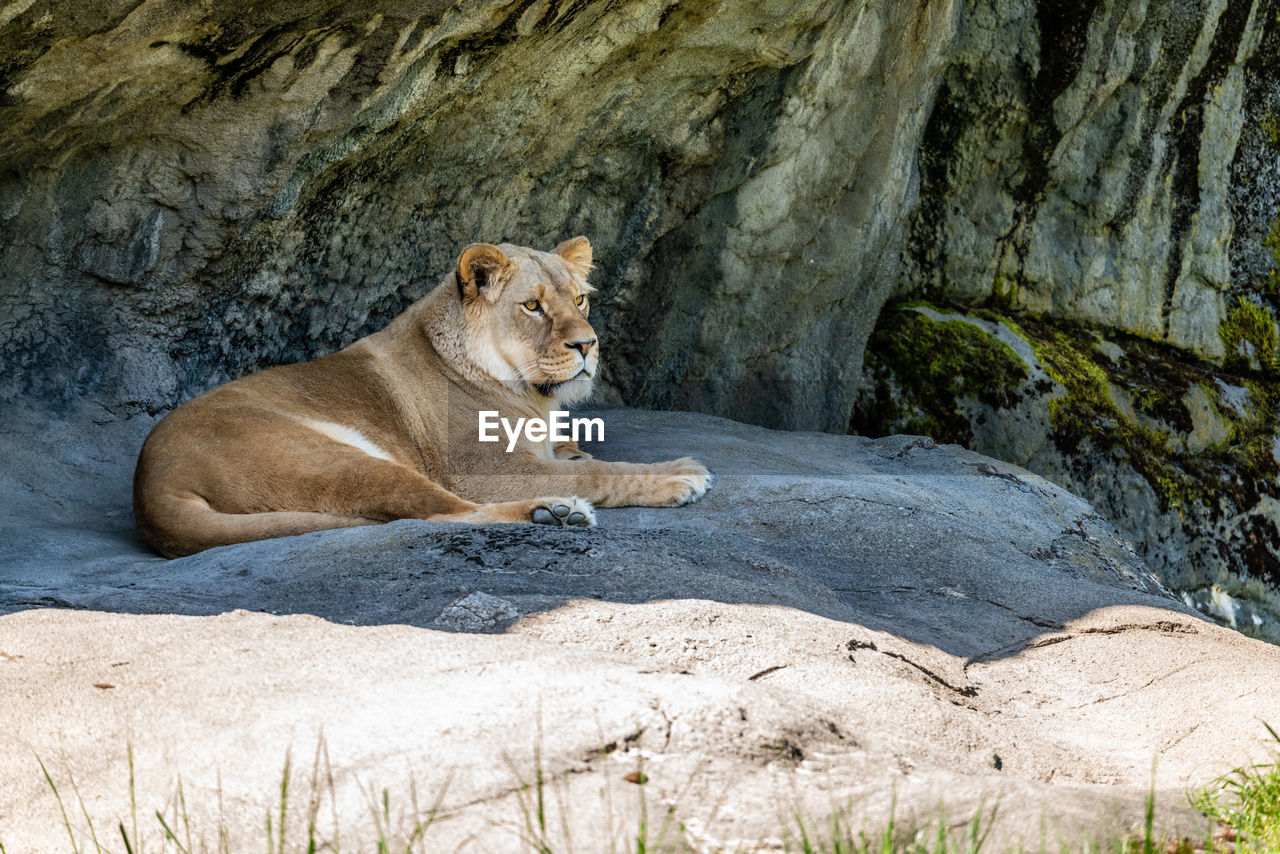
839, 622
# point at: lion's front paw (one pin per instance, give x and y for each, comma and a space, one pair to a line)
571, 512
686, 481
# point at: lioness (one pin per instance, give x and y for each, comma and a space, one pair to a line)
387, 428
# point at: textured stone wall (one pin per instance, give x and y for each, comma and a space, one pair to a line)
1100, 180
1083, 160
1183, 457
190, 191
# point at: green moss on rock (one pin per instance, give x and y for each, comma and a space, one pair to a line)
1270, 125
1271, 286
1249, 335
1156, 379
1090, 410
922, 367
1121, 404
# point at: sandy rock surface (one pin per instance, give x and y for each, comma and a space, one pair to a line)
839, 623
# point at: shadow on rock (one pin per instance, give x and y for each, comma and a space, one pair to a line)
935, 545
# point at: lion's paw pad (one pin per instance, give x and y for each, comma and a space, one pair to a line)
570, 512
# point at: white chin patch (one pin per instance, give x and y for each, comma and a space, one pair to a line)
574, 390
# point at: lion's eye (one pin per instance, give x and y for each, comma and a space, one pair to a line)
581, 300
531, 304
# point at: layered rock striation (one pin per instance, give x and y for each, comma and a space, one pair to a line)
191, 192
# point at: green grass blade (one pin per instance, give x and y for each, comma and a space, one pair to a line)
169, 834
284, 796
180, 812
539, 783
333, 794
886, 842
1148, 827
313, 799
991, 821
133, 804
84, 811
66, 822
128, 849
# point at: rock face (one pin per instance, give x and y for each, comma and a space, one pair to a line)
189, 192
1089, 161
1182, 457
1096, 177
839, 623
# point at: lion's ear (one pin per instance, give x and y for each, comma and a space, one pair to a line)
482, 268
576, 252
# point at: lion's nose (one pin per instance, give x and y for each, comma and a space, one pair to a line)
584, 346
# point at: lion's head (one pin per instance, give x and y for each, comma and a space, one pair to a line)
526, 314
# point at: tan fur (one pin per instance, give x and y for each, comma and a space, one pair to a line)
386, 429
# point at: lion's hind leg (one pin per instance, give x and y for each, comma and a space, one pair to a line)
190, 525
388, 492
229, 489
